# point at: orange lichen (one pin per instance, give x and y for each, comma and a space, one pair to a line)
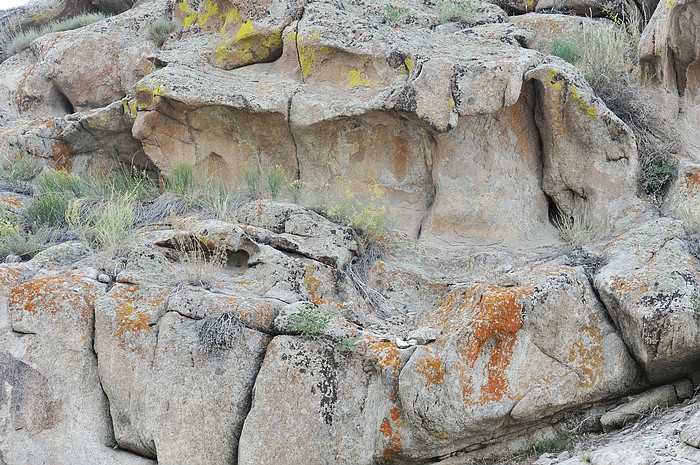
62, 155
692, 181
586, 354
394, 413
432, 369
133, 312
11, 201
492, 334
56, 296
386, 356
313, 284
393, 436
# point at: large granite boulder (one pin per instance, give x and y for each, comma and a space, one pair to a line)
650, 287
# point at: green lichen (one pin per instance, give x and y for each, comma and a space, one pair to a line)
246, 31
131, 108
149, 94
41, 16
233, 16
307, 54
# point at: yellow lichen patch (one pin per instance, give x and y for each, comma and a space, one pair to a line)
588, 110
355, 79
230, 17
190, 16
246, 30
491, 334
432, 369
307, 54
210, 9
148, 94
409, 64
670, 3
553, 80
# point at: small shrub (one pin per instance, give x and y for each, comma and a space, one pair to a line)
161, 29
369, 216
219, 332
49, 209
215, 198
20, 169
310, 322
565, 50
16, 39
347, 345
266, 183
463, 11
16, 241
276, 179
552, 445
394, 14
689, 212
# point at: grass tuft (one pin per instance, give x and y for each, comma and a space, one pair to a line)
15, 39
161, 29
463, 11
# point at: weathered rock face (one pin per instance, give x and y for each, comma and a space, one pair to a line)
649, 286
54, 410
209, 364
403, 107
339, 109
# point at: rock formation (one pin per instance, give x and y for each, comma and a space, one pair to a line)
473, 334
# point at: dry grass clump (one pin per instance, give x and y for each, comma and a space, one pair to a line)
219, 332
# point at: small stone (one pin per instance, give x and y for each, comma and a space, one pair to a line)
13, 258
401, 344
104, 278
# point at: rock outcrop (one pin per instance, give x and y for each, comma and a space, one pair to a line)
458, 341
406, 107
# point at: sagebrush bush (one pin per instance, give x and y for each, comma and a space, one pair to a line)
219, 332
15, 39
161, 29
